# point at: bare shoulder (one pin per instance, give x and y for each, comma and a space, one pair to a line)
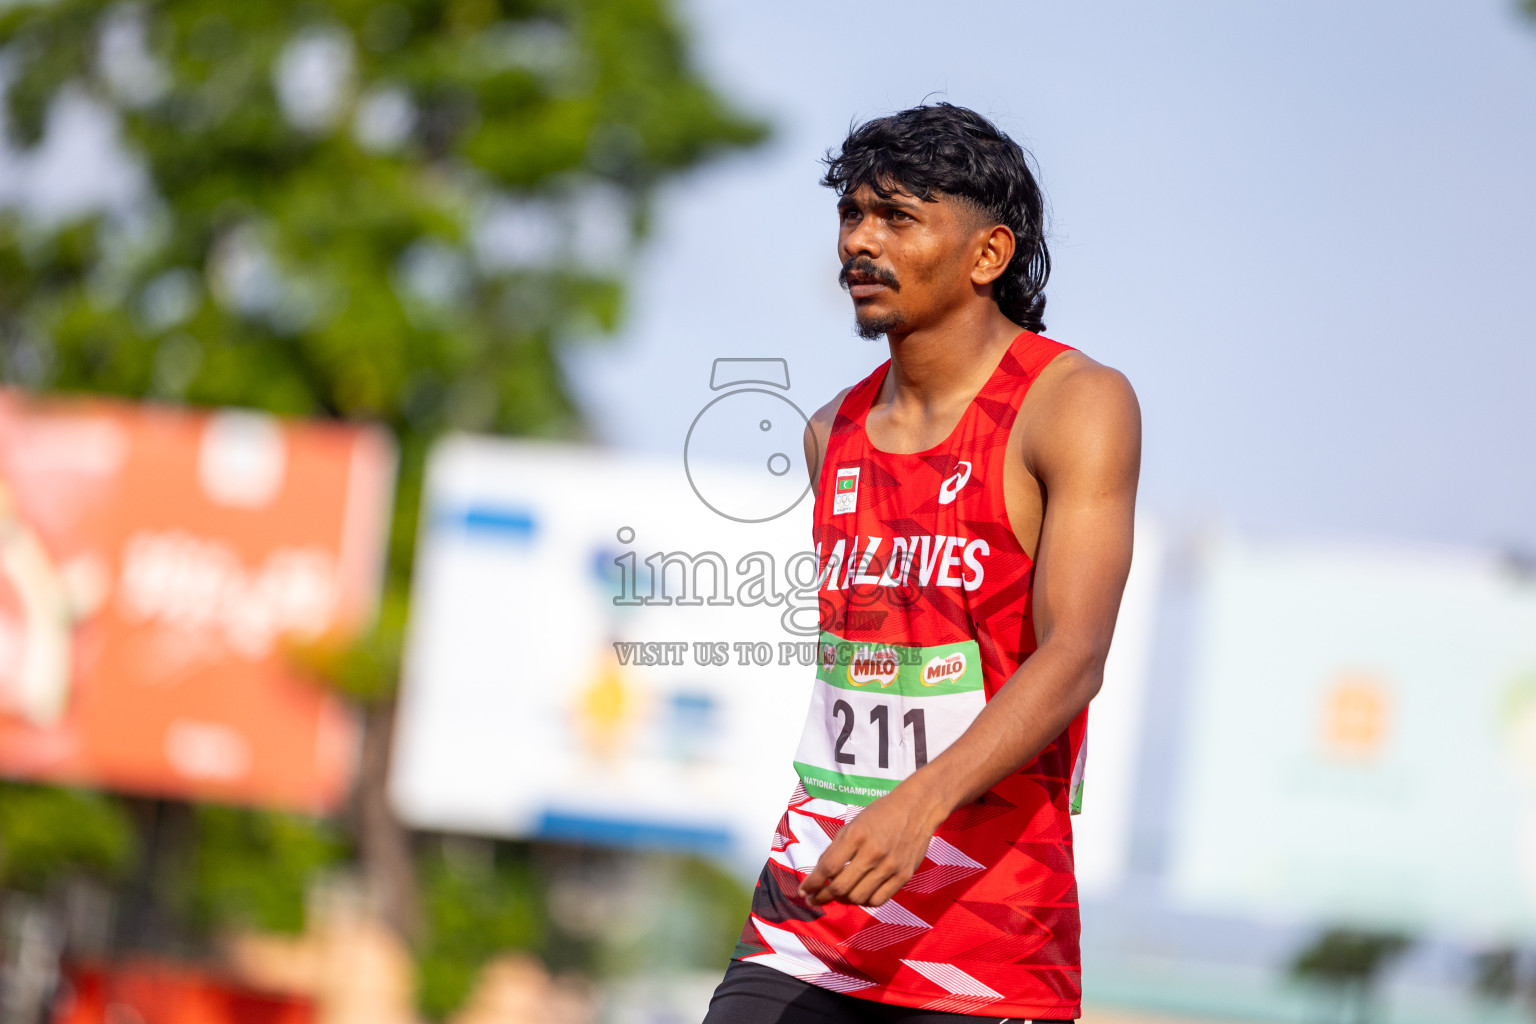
1072, 382
1081, 409
821, 419
818, 428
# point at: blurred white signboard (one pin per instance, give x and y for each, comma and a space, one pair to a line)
597, 656
1362, 743
1101, 835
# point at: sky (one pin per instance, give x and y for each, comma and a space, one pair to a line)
1305, 231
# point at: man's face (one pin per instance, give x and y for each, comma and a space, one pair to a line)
905, 261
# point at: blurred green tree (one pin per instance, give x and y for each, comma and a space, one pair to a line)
1495, 974
393, 212
479, 899
255, 869
48, 833
1349, 963
688, 918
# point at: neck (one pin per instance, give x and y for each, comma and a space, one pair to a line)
933, 365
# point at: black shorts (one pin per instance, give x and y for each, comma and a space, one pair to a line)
753, 994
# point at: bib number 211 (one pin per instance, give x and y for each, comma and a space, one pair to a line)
880, 718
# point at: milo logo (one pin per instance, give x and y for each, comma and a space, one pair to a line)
946, 669
873, 664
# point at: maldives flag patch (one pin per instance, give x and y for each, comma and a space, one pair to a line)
845, 494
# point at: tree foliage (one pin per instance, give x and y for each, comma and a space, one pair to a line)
1495, 973
47, 833
254, 868
1349, 962
392, 212
383, 211
312, 248
1343, 956
473, 909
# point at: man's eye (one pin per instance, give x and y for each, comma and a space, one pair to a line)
900, 215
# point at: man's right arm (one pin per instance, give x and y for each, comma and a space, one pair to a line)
817, 430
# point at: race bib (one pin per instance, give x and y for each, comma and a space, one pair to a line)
880, 712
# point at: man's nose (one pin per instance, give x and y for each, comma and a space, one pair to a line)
861, 240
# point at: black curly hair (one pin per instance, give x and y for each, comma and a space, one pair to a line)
941, 149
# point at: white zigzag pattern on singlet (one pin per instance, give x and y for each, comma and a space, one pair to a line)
811, 841
949, 865
897, 924
952, 979
790, 956
891, 912
830, 808
943, 852
967, 1005
935, 878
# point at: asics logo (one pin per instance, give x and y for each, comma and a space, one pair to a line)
950, 488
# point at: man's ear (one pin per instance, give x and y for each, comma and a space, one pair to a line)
994, 252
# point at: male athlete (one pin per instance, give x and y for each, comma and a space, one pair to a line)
974, 503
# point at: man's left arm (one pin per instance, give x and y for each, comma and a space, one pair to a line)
1087, 456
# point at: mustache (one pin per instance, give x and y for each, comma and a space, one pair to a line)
866, 267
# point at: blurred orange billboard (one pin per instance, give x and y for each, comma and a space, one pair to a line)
157, 566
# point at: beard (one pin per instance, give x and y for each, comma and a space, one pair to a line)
872, 326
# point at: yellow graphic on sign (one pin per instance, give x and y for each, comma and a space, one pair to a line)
606, 710
1356, 718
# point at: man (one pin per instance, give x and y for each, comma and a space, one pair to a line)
974, 506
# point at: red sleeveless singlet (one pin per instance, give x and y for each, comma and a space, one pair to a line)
925, 612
